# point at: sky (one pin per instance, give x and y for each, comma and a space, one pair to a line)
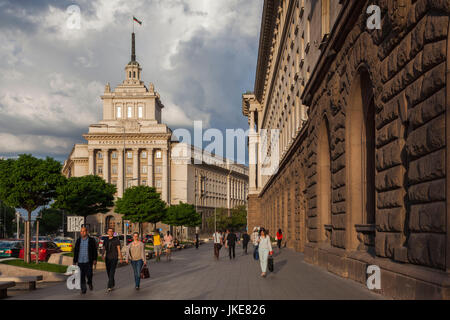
200, 54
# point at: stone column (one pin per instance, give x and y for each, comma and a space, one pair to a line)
136, 166
150, 167
165, 176
91, 161
105, 153
120, 172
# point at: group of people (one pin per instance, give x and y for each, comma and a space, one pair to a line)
85, 256
260, 239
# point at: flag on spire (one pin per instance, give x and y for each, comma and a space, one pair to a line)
135, 19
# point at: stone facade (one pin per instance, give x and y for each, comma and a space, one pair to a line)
363, 179
131, 146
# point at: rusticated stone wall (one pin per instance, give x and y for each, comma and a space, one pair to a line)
406, 62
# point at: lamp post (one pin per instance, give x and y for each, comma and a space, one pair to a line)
17, 225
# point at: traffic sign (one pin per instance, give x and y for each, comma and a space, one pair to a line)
74, 223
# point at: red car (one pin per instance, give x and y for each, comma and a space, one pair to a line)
46, 249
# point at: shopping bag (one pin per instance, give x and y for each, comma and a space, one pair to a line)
256, 253
145, 274
270, 263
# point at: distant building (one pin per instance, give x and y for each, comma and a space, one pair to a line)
130, 146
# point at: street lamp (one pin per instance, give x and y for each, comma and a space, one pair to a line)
18, 224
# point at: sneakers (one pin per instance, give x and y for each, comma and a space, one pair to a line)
137, 288
109, 290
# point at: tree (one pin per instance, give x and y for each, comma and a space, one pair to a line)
141, 204
7, 218
28, 183
50, 223
239, 217
183, 214
84, 196
236, 221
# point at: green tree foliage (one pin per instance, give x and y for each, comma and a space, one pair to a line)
29, 183
51, 221
84, 196
141, 204
236, 221
7, 218
239, 218
183, 214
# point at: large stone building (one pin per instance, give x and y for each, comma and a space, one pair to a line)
130, 146
364, 126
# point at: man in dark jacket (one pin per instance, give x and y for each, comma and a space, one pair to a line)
245, 241
84, 256
230, 243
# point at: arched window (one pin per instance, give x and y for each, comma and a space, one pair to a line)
323, 180
360, 147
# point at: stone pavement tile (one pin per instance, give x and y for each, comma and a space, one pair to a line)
194, 274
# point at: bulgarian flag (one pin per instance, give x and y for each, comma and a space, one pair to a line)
135, 19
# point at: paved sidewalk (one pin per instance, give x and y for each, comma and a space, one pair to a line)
194, 274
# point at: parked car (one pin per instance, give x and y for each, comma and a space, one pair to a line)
10, 248
65, 244
148, 239
46, 249
129, 239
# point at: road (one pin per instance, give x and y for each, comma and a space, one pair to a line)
194, 274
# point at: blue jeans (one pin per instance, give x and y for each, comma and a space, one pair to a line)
137, 267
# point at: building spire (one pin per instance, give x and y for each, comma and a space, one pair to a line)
133, 52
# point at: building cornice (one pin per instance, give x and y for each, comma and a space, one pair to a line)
345, 21
265, 43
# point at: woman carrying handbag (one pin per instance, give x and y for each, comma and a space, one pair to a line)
136, 253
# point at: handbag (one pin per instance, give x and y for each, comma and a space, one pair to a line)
270, 263
256, 253
145, 274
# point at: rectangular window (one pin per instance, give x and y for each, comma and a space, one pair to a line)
144, 154
140, 112
114, 155
157, 169
129, 169
144, 169
129, 154
158, 183
100, 155
114, 169
158, 154
130, 112
119, 112
99, 169
144, 182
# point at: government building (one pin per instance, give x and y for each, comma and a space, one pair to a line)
363, 113
130, 146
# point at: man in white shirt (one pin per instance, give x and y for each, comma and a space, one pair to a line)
217, 237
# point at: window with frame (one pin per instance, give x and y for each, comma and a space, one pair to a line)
144, 154
114, 155
129, 169
99, 169
158, 169
100, 155
158, 183
144, 182
144, 169
140, 112
158, 154
114, 169
129, 154
119, 112
129, 112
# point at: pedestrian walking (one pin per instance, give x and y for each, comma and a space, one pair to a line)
85, 256
111, 256
196, 240
264, 250
279, 238
157, 247
217, 237
168, 244
136, 254
245, 241
230, 243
